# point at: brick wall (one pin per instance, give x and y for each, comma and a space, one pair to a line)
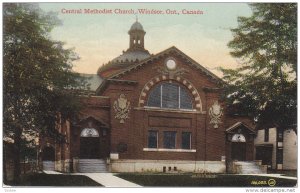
208, 142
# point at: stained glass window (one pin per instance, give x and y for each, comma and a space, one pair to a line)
155, 97
171, 96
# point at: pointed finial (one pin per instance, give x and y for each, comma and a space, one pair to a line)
136, 18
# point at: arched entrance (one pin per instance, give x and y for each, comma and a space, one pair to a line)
239, 143
89, 144
48, 157
238, 147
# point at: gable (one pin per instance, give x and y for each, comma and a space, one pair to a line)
240, 125
173, 50
88, 118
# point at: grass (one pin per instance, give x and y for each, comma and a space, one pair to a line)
41, 179
194, 180
292, 173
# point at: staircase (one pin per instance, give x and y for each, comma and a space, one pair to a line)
92, 166
48, 165
243, 167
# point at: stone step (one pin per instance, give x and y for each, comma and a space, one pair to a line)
251, 171
92, 161
48, 165
92, 165
248, 168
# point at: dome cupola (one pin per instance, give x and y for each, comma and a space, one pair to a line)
134, 54
136, 26
137, 34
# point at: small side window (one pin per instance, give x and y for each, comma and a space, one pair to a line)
152, 139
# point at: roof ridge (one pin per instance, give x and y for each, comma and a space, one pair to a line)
235, 125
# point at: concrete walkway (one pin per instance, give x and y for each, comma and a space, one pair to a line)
109, 180
105, 179
51, 172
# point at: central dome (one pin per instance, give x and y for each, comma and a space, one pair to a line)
134, 54
137, 26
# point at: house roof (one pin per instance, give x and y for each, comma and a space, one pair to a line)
237, 125
94, 80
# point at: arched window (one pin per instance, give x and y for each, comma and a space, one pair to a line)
170, 96
238, 138
89, 132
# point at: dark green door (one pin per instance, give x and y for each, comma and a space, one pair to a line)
238, 151
89, 147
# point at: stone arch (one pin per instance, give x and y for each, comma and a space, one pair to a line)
154, 81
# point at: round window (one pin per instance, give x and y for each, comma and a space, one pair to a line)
171, 64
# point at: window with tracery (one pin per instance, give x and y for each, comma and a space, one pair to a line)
170, 96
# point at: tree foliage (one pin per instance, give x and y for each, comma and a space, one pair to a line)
37, 73
264, 86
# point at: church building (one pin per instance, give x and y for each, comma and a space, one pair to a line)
147, 112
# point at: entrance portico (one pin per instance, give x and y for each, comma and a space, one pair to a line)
239, 143
91, 145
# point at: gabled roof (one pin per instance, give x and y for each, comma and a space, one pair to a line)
237, 125
97, 119
165, 52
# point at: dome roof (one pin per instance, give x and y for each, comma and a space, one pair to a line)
126, 59
137, 26
132, 56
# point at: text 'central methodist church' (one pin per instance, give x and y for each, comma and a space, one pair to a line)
158, 113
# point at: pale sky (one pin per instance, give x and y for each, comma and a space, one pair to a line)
99, 38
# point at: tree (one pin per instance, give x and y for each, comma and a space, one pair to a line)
264, 86
37, 73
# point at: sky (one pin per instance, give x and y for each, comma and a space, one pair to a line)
99, 38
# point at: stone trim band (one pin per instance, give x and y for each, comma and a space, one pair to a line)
169, 150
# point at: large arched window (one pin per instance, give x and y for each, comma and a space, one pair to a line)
171, 96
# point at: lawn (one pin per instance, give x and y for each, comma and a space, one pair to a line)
41, 179
196, 180
292, 173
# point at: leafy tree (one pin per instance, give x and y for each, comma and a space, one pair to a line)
264, 86
37, 75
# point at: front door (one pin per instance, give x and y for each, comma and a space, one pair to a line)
238, 151
89, 147
264, 153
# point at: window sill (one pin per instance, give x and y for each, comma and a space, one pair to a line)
169, 150
170, 110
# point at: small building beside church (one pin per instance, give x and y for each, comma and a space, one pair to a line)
277, 150
151, 112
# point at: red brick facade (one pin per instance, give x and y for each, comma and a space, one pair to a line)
135, 82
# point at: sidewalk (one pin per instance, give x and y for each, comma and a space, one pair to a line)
51, 172
109, 180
